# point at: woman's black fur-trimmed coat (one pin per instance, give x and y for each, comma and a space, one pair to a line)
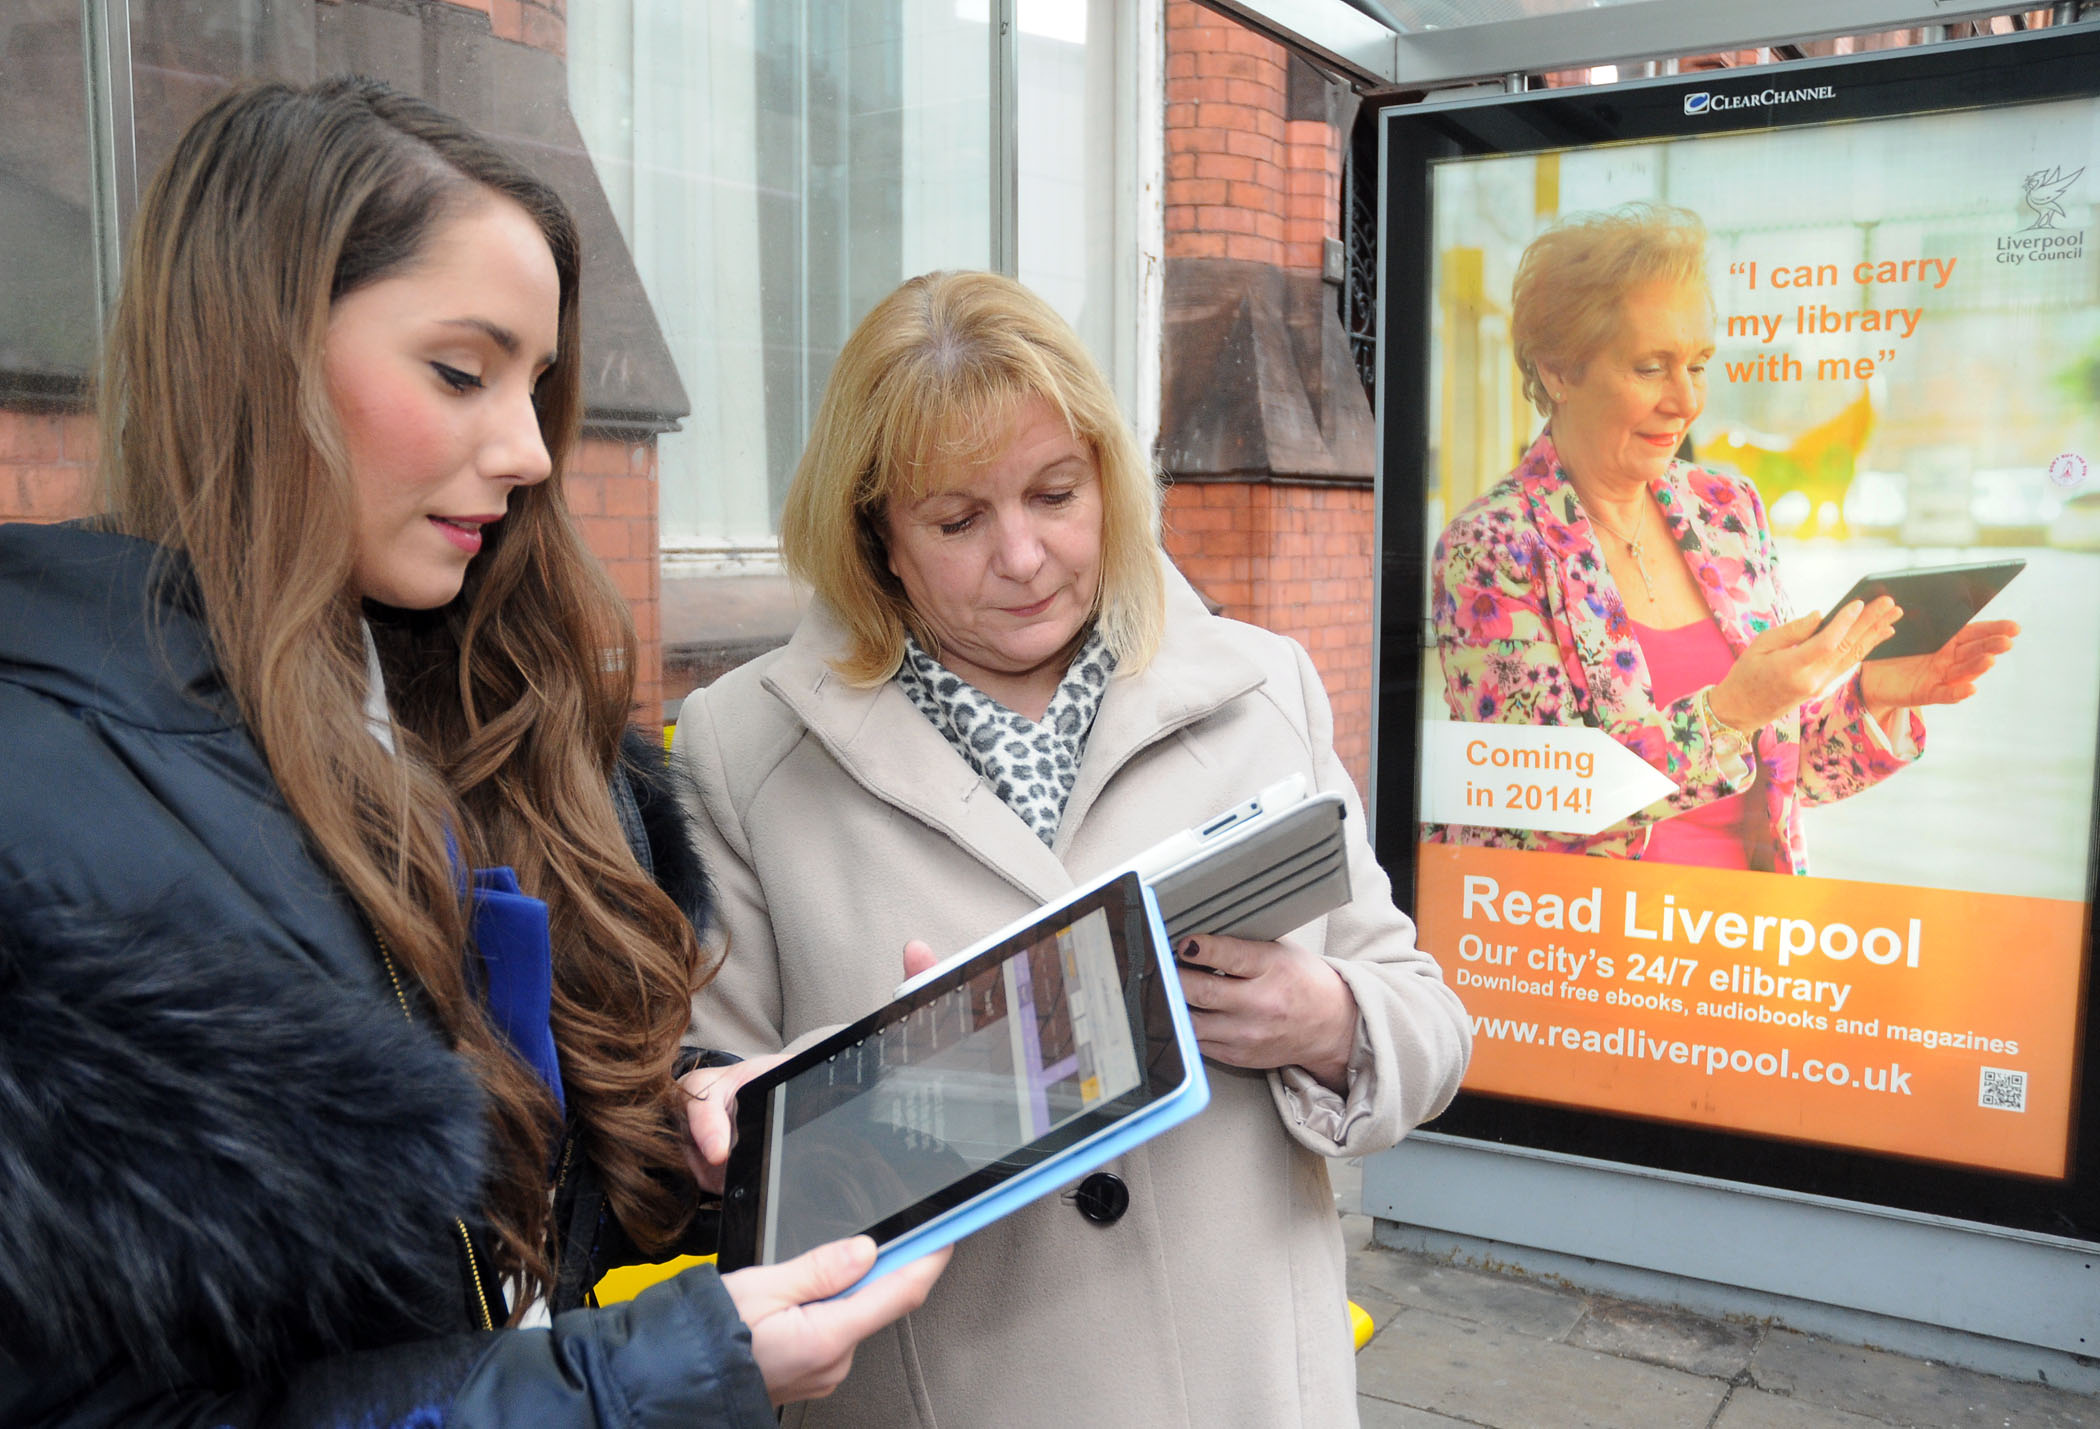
229, 1167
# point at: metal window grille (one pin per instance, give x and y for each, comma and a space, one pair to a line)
1359, 292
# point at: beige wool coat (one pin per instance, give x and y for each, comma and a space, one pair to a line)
837, 823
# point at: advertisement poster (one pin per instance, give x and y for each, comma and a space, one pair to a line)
1906, 372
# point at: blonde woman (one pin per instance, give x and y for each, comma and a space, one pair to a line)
1002, 689
342, 988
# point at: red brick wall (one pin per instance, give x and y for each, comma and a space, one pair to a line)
1313, 207
543, 24
47, 461
611, 484
1243, 181
1296, 560
1227, 151
47, 469
612, 491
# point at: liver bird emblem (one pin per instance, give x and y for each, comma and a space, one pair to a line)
2043, 189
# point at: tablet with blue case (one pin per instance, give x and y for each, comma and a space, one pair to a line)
1059, 1043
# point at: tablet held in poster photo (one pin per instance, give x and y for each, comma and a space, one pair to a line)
1936, 601
1005, 1073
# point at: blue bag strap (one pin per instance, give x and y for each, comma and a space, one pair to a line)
517, 955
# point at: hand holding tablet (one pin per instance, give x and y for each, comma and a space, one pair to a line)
1937, 601
1015, 1066
1269, 1003
804, 1328
1056, 1045
710, 1112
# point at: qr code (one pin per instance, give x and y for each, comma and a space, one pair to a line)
2002, 1090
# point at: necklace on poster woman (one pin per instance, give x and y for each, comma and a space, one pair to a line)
1633, 545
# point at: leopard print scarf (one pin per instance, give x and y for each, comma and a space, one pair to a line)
1031, 765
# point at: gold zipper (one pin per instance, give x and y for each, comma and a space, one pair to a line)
561, 1176
568, 1149
488, 1321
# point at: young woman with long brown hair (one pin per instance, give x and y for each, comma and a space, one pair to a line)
344, 957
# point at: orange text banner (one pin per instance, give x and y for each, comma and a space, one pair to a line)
1872, 1016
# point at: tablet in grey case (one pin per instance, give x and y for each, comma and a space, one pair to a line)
1259, 870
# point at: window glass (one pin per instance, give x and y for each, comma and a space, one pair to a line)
47, 250
777, 169
1068, 161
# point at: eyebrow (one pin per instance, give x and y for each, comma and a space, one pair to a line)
502, 336
1076, 464
946, 493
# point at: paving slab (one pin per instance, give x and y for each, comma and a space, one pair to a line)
1382, 1308
1675, 1339
1898, 1390
1749, 1408
1488, 1375
1384, 1414
1462, 1346
1402, 1281
1346, 1176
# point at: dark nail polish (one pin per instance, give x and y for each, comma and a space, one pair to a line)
1187, 952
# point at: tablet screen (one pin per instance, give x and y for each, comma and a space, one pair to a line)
986, 1071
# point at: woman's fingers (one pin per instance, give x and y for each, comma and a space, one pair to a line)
1966, 664
707, 1128
1230, 957
1973, 650
1856, 630
802, 1339
1877, 623
1795, 654
801, 1352
1787, 636
710, 1114
894, 1296
1985, 637
1216, 970
1946, 677
1760, 682
1790, 663
1268, 1005
1793, 662
918, 957
764, 1290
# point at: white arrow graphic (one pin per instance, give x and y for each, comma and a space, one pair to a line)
1562, 779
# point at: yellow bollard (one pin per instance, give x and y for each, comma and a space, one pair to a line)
1360, 1325
631, 1280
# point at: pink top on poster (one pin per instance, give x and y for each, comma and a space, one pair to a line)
1715, 835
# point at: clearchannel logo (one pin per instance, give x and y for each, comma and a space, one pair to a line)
1706, 102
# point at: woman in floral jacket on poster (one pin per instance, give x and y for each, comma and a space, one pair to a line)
1606, 583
